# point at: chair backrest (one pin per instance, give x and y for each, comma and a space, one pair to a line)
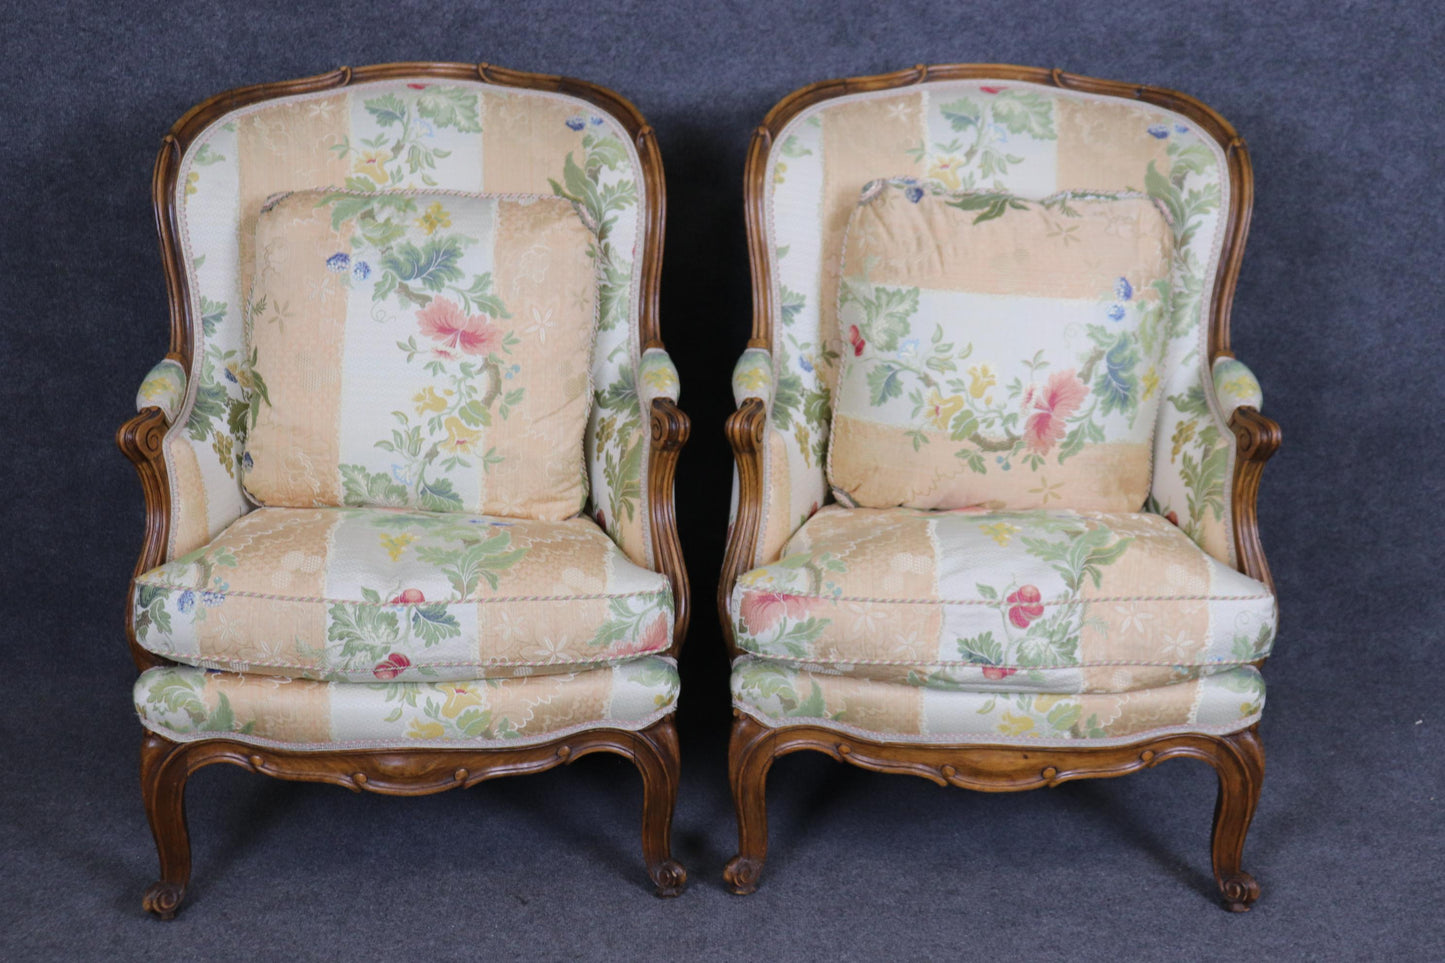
1024, 131
442, 127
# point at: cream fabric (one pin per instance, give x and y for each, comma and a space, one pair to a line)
405, 134
1054, 601
777, 694
388, 360
998, 351
186, 704
1029, 140
360, 595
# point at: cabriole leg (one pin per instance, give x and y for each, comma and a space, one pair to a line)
750, 756
1240, 764
163, 773
657, 759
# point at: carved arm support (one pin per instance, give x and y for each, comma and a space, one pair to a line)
657, 387
745, 431
1256, 438
140, 439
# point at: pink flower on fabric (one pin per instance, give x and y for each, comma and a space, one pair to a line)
1025, 607
391, 666
409, 596
653, 639
762, 610
997, 672
1051, 407
444, 321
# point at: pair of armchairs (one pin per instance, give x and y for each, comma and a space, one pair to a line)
409, 462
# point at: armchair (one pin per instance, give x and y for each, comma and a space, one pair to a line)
994, 521
408, 464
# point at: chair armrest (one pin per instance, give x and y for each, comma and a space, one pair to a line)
657, 378
164, 387
746, 431
1236, 386
753, 376
657, 388
1256, 438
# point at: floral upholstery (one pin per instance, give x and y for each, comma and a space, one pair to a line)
164, 387
1056, 601
388, 361
184, 704
361, 595
1030, 140
1236, 385
659, 377
452, 135
1000, 351
753, 376
776, 694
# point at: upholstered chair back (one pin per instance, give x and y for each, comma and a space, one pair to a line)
440, 129
1024, 133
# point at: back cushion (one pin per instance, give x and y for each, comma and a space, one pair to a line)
420, 349
999, 351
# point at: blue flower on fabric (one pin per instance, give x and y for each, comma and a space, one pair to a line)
247, 462
212, 599
340, 262
805, 364
908, 347
914, 194
1115, 312
1181, 129
576, 122
231, 375
360, 271
1123, 290
596, 121
187, 601
1159, 131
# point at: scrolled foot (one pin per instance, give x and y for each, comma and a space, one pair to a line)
742, 875
163, 899
1239, 892
670, 878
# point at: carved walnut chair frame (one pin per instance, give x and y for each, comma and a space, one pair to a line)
167, 765
1238, 758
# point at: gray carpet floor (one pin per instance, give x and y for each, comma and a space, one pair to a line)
1337, 311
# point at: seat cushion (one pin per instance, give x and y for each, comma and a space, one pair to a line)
778, 694
1041, 601
361, 594
428, 350
184, 704
999, 351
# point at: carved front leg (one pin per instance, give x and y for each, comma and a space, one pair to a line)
1240, 764
750, 756
163, 773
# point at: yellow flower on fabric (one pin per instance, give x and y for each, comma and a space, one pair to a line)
459, 698
434, 217
661, 378
1151, 382
396, 544
1014, 725
461, 440
1046, 490
1000, 532
945, 171
752, 379
192, 179
940, 410
426, 730
153, 388
241, 374
373, 165
981, 378
778, 171
1239, 387
430, 400
1044, 703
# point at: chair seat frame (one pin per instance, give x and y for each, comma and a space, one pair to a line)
1238, 758
166, 765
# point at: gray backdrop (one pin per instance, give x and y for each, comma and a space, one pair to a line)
1337, 312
